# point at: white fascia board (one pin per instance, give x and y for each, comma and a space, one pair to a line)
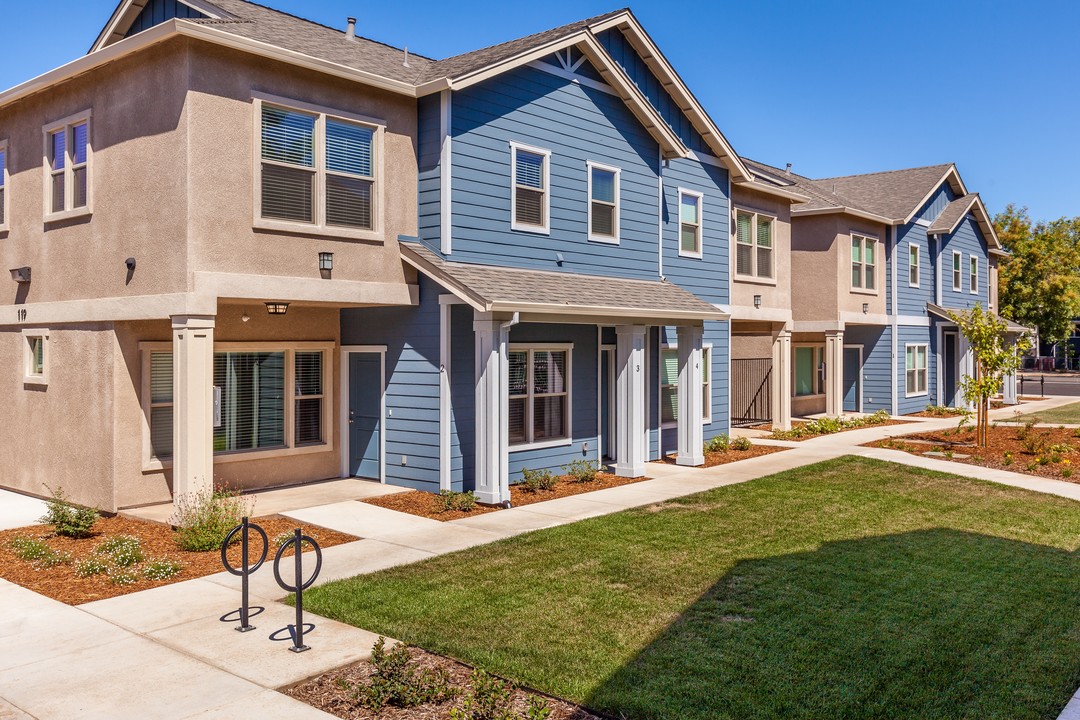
772, 190
607, 312
959, 182
847, 211
471, 299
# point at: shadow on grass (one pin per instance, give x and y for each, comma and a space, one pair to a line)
927, 624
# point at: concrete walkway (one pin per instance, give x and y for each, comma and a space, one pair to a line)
17, 510
62, 662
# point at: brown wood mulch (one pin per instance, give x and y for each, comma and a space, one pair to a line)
333, 693
417, 502
769, 428
1024, 455
712, 459
61, 582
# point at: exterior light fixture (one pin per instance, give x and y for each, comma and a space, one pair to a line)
277, 308
757, 302
326, 264
21, 274
865, 308
245, 317
130, 264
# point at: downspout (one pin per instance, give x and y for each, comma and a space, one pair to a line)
504, 413
895, 313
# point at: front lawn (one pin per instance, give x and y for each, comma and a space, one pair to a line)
1064, 415
848, 589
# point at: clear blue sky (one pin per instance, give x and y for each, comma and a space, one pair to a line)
834, 88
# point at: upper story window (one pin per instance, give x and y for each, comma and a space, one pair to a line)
316, 169
530, 201
863, 262
754, 245
913, 265
603, 203
690, 223
68, 154
973, 275
3, 185
957, 271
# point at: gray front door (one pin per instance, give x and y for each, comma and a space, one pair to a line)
365, 413
607, 402
852, 379
950, 360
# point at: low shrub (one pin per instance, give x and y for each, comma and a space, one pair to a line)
161, 568
396, 681
944, 411
54, 558
537, 480
29, 548
123, 550
91, 566
831, 425
67, 518
122, 575
718, 444
582, 471
449, 501
202, 519
1066, 472
741, 444
1007, 459
490, 698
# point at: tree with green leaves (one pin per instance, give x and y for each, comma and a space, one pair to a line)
995, 358
1039, 283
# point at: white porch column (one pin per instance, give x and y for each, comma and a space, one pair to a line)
193, 404
965, 367
630, 392
691, 403
781, 381
1008, 387
834, 373
492, 404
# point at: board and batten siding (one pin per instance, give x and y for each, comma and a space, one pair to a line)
576, 124
158, 11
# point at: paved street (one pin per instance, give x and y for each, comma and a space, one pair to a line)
1044, 384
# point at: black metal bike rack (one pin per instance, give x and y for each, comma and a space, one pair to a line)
297, 540
245, 570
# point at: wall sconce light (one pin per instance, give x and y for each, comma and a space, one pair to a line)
130, 264
757, 302
277, 308
245, 317
21, 274
865, 308
326, 264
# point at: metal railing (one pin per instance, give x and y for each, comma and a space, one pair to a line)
751, 391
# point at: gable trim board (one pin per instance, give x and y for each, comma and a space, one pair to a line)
128, 11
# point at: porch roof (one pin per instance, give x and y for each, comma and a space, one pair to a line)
944, 314
488, 288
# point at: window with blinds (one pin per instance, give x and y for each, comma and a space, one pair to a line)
863, 262
252, 400
603, 203
161, 405
689, 223
539, 408
68, 146
669, 385
3, 184
308, 415
753, 245
530, 200
333, 188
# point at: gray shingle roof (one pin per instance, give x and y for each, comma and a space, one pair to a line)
493, 288
945, 313
952, 214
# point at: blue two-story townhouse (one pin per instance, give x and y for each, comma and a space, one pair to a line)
572, 263
906, 248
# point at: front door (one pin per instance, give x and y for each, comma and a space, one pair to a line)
365, 414
607, 403
852, 379
950, 360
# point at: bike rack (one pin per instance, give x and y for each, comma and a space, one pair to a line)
297, 540
244, 571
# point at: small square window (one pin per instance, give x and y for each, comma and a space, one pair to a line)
36, 357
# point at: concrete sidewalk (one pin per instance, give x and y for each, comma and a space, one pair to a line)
17, 510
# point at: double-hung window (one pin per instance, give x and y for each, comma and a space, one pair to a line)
957, 271
67, 166
669, 385
809, 359
913, 265
539, 395
530, 201
863, 262
973, 275
915, 367
690, 223
754, 245
317, 170
603, 203
3, 185
266, 399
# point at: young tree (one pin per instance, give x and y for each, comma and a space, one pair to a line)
1039, 283
995, 357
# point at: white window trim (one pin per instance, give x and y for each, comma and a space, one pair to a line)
819, 383
865, 239
319, 227
973, 264
706, 350
69, 171
700, 226
917, 266
152, 464
30, 378
554, 442
925, 371
755, 278
957, 271
4, 148
589, 167
544, 229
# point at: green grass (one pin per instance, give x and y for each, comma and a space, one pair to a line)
1064, 415
849, 589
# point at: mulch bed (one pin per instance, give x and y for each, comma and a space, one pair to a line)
1032, 456
60, 582
712, 459
417, 502
769, 428
326, 692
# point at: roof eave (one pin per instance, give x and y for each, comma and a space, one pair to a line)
128, 10
795, 212
773, 190
951, 170
611, 312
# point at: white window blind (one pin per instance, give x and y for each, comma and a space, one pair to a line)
764, 247
252, 400
744, 251
161, 405
529, 188
669, 384
539, 395
309, 398
603, 203
3, 185
689, 224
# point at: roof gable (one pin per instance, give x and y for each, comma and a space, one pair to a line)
133, 16
970, 205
